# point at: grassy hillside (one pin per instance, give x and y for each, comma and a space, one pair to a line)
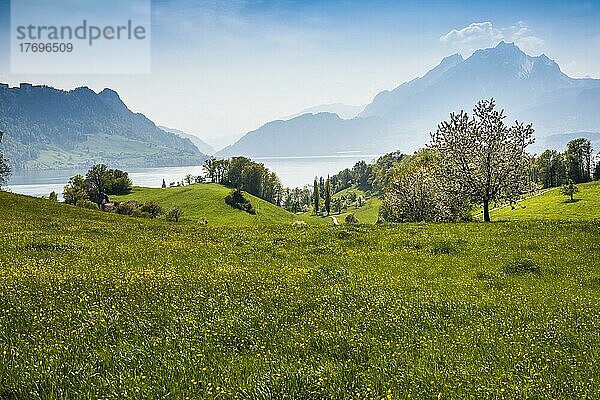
208, 201
96, 305
552, 205
367, 214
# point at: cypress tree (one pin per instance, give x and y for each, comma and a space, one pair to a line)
316, 196
327, 195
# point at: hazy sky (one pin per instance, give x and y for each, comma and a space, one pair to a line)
221, 68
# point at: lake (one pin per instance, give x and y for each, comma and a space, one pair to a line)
293, 172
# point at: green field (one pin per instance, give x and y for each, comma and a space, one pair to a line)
207, 201
367, 214
553, 205
96, 305
550, 205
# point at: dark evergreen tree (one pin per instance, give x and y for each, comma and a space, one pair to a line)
316, 196
327, 196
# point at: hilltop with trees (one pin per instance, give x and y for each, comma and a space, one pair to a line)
99, 183
245, 174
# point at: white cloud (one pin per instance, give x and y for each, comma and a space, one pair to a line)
485, 34
475, 32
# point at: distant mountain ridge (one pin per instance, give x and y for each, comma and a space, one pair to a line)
48, 128
344, 111
299, 135
531, 89
386, 101
204, 147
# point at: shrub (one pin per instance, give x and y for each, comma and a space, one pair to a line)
351, 219
126, 207
152, 208
137, 213
53, 196
237, 200
174, 214
85, 203
523, 266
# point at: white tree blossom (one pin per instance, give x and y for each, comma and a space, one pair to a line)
481, 157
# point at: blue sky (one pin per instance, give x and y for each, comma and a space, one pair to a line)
221, 68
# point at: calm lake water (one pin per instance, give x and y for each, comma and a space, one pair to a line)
293, 172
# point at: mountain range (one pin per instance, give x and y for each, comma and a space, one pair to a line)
530, 89
47, 128
199, 143
344, 111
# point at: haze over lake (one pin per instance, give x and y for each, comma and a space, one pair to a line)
293, 172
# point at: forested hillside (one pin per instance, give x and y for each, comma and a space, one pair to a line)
47, 128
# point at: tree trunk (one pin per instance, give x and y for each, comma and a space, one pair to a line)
486, 211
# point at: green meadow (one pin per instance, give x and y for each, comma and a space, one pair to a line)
367, 214
206, 201
552, 205
99, 305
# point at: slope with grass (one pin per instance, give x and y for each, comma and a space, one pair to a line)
97, 305
367, 214
552, 205
207, 201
